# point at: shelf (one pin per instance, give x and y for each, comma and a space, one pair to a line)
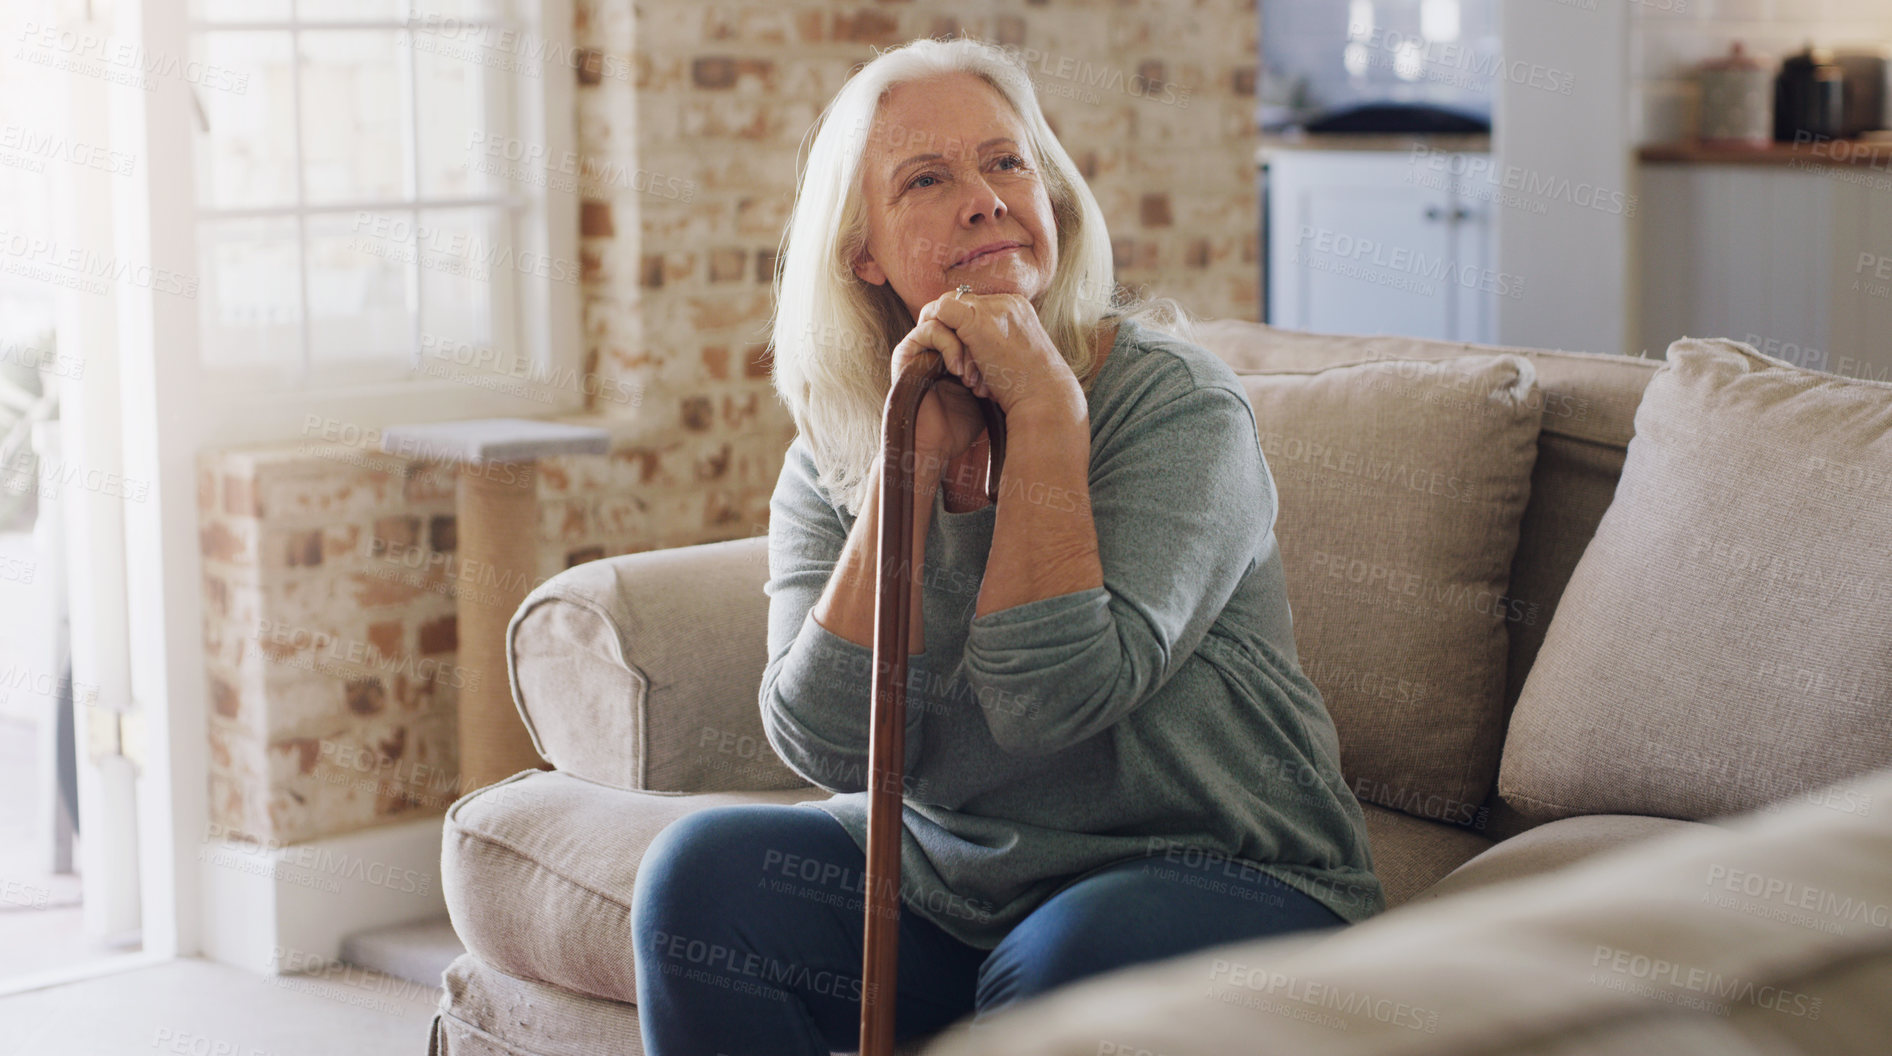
1874, 154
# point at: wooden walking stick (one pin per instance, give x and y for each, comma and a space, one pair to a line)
887, 742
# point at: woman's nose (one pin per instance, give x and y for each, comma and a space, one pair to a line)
982, 201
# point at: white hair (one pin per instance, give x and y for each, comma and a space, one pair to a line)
834, 333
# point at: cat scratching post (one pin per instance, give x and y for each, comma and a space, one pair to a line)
496, 507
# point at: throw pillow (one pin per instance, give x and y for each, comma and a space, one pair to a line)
1726, 639
1401, 484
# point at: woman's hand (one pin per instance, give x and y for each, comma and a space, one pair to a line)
949, 420
1000, 349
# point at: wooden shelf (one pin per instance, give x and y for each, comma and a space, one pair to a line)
1874, 153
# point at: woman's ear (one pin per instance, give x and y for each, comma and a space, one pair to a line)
868, 270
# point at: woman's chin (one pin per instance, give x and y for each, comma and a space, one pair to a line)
1007, 282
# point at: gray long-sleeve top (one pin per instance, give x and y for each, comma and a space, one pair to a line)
1164, 712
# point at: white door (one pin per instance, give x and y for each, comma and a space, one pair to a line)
1357, 247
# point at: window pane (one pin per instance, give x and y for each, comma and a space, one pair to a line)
355, 114
432, 12
463, 110
246, 130
469, 264
361, 288
243, 10
250, 303
357, 10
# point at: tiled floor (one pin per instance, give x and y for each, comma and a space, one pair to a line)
189, 1005
182, 1006
196, 1006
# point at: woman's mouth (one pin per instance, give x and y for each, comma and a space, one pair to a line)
984, 252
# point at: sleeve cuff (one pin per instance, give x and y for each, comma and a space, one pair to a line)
822, 658
1060, 610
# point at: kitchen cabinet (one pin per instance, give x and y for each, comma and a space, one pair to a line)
1793, 260
1377, 242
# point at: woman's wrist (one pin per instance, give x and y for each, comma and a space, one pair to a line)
1048, 411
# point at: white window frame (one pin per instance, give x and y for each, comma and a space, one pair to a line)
169, 410
535, 318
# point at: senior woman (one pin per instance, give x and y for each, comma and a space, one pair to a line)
1112, 754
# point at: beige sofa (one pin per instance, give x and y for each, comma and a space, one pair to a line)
638, 679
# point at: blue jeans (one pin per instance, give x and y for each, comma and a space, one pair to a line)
748, 929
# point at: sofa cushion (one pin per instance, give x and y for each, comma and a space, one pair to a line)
1549, 847
1726, 638
1775, 926
538, 870
485, 1012
1411, 854
1590, 401
1401, 484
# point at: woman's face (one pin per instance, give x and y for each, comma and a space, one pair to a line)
953, 195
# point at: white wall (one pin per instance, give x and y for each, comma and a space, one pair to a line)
1566, 150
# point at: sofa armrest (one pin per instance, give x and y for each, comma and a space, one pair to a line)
643, 672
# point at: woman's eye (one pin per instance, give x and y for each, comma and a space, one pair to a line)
1016, 161
915, 182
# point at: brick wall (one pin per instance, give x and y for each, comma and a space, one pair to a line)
330, 583
329, 570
